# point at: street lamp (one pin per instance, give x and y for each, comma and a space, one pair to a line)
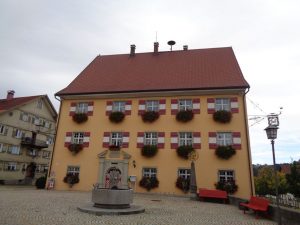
271, 131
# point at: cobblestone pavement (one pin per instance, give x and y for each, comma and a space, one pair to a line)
21, 206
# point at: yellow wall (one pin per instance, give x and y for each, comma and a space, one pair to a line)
166, 161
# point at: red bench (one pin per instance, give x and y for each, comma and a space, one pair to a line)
257, 205
206, 193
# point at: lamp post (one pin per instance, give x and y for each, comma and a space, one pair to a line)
271, 131
193, 156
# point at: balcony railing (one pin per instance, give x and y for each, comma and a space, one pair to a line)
30, 142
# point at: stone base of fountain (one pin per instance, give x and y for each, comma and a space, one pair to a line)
111, 202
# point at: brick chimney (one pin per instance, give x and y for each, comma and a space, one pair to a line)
185, 47
132, 50
156, 44
10, 94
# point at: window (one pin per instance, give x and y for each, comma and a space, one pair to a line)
41, 168
118, 107
3, 129
152, 105
47, 124
222, 104
150, 138
15, 150
149, 172
77, 138
226, 175
46, 154
39, 104
1, 147
184, 173
185, 138
32, 152
11, 166
18, 133
116, 139
81, 107
24, 117
185, 104
49, 140
74, 170
224, 139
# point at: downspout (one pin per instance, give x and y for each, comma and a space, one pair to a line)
248, 142
56, 128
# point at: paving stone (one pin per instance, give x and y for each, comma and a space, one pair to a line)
21, 206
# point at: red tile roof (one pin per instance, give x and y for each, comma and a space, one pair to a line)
14, 102
215, 68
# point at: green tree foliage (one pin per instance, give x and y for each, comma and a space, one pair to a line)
265, 182
293, 179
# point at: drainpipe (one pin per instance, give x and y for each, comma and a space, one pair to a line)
248, 142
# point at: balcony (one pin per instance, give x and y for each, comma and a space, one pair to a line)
33, 143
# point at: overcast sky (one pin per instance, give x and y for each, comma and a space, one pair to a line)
44, 45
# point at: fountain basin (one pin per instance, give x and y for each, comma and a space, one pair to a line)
112, 198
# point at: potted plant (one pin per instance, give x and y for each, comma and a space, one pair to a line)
40, 183
149, 183
184, 151
114, 147
75, 148
80, 117
149, 150
116, 117
150, 116
71, 179
222, 116
229, 186
185, 116
225, 152
183, 184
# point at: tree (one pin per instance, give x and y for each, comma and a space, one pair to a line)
293, 179
265, 182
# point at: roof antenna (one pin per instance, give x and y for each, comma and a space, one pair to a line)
171, 43
155, 36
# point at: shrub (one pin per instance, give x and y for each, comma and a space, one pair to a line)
149, 183
184, 151
40, 183
80, 117
114, 147
71, 179
75, 148
225, 152
150, 116
222, 116
149, 150
229, 186
185, 116
116, 117
183, 184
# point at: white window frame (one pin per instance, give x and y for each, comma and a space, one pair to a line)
226, 175
222, 104
116, 138
15, 150
118, 106
224, 138
152, 105
11, 166
185, 138
24, 116
185, 104
74, 170
82, 107
150, 138
2, 129
77, 137
149, 172
184, 173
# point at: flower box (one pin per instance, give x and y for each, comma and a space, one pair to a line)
183, 184
222, 116
149, 150
229, 186
71, 179
184, 151
80, 117
184, 116
75, 148
225, 152
116, 117
149, 183
150, 116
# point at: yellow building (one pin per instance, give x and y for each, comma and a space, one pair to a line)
27, 130
130, 117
